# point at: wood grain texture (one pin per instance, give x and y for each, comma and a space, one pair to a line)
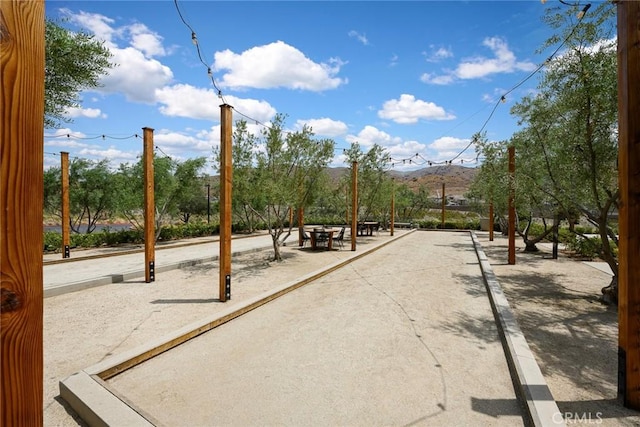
354, 205
21, 189
512, 207
225, 197
149, 207
64, 179
629, 209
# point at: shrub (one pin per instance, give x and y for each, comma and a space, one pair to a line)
52, 241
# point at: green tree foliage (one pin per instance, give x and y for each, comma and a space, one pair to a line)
74, 62
53, 192
92, 194
277, 171
567, 148
409, 204
572, 127
246, 197
374, 184
175, 183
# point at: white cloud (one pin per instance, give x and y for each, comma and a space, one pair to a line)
147, 41
92, 113
114, 155
443, 79
183, 100
136, 74
503, 61
176, 144
370, 135
98, 24
362, 38
437, 54
407, 109
276, 65
324, 126
448, 147
406, 149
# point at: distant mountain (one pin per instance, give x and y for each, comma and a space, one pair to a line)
457, 179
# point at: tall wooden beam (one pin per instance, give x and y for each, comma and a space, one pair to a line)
149, 207
21, 187
64, 180
354, 204
301, 226
225, 202
393, 208
444, 203
512, 208
629, 209
491, 221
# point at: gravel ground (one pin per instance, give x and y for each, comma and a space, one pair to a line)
572, 335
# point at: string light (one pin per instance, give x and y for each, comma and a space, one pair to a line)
534, 72
392, 162
103, 136
194, 40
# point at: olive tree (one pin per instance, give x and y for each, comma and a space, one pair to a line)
280, 171
74, 62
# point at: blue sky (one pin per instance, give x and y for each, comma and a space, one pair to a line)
417, 77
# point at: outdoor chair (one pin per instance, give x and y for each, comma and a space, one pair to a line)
322, 238
305, 238
340, 237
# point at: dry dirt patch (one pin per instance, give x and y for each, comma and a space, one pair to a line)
573, 336
83, 328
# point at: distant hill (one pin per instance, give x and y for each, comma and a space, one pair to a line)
457, 179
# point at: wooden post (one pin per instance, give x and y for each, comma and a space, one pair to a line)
393, 209
354, 204
149, 207
22, 58
225, 202
512, 209
491, 221
300, 226
629, 209
208, 203
64, 180
347, 217
444, 202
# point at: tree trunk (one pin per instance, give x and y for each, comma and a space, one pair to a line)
610, 293
277, 256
